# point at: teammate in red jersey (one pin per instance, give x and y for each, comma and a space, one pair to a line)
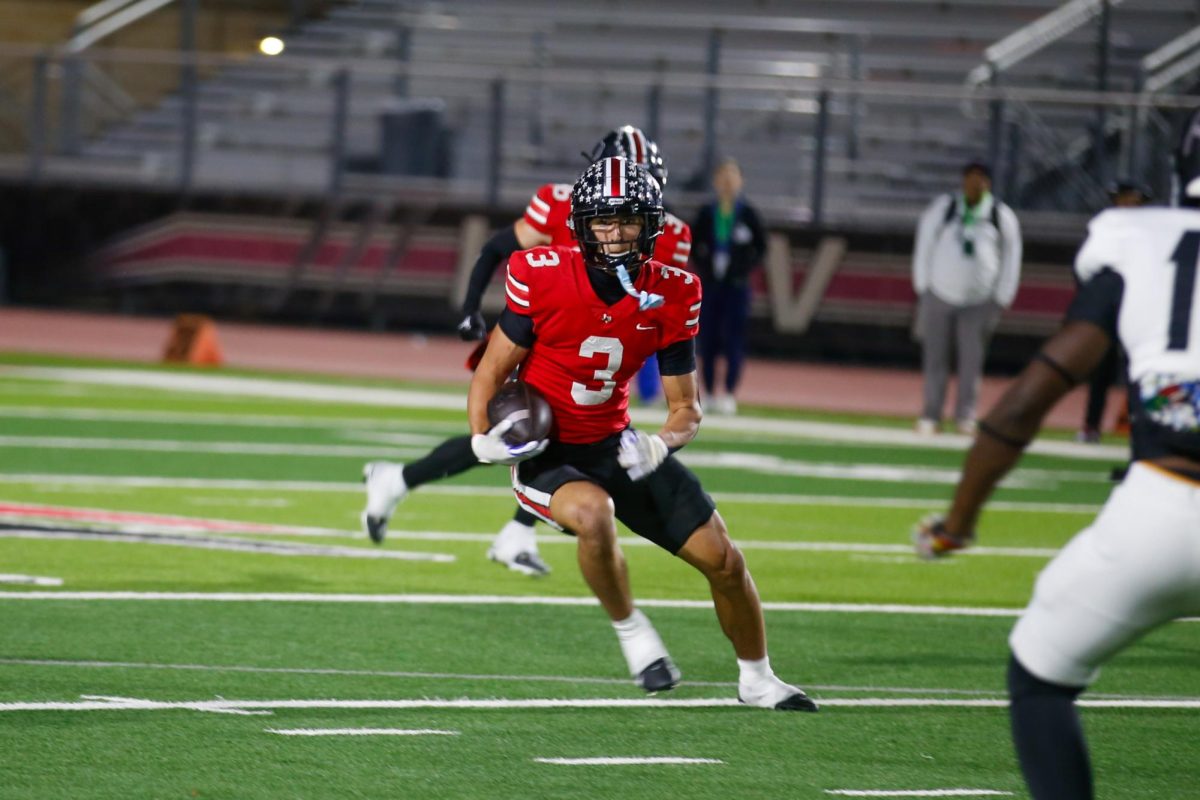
545, 222
579, 324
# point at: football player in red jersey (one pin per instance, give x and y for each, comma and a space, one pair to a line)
579, 324
546, 221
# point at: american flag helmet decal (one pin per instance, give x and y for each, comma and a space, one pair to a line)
614, 177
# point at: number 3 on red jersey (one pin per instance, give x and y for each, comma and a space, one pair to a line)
547, 258
593, 346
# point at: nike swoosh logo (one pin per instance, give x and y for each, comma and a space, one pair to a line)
642, 327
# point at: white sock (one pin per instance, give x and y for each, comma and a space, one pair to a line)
639, 642
629, 627
515, 538
752, 672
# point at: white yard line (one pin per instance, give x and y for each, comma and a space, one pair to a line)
514, 600
359, 732
468, 600
104, 482
227, 543
235, 712
625, 761
175, 418
30, 580
891, 473
231, 386
194, 537
745, 544
456, 401
498, 704
230, 448
696, 458
918, 793
467, 677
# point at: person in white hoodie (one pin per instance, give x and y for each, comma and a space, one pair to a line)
966, 268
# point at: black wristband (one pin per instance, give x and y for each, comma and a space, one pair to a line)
1057, 367
984, 428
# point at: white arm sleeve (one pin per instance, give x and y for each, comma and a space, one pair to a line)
1010, 257
923, 247
1102, 246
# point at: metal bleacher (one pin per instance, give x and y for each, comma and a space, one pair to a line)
847, 115
570, 73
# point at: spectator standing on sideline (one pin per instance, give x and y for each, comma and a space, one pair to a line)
1124, 194
729, 243
966, 267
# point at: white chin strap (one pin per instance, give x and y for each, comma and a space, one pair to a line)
646, 300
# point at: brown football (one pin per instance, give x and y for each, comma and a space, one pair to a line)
524, 405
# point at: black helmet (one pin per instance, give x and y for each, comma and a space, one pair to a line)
631, 143
616, 187
1187, 162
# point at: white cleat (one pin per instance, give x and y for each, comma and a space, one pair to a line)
927, 427
515, 546
726, 405
775, 694
385, 488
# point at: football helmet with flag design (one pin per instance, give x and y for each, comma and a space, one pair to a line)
616, 187
639, 148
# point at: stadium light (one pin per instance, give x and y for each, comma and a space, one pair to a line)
271, 46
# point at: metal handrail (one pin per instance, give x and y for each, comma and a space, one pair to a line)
892, 89
1052, 147
105, 18
1172, 61
1037, 35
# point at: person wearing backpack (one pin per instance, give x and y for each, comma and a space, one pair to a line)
966, 268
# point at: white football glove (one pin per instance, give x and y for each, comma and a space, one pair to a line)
490, 447
641, 453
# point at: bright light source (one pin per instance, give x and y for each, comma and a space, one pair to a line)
271, 46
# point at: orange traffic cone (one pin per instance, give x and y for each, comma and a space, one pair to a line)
194, 341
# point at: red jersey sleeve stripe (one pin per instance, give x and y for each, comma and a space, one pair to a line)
516, 284
519, 301
639, 146
535, 215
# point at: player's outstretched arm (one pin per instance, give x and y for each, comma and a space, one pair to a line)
683, 409
503, 356
519, 236
1063, 361
641, 453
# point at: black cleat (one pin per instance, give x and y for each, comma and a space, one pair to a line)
772, 693
797, 702
525, 562
376, 528
385, 488
661, 676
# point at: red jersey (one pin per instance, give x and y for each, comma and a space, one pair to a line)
674, 245
585, 351
549, 210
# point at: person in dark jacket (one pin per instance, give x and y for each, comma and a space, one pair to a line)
728, 245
